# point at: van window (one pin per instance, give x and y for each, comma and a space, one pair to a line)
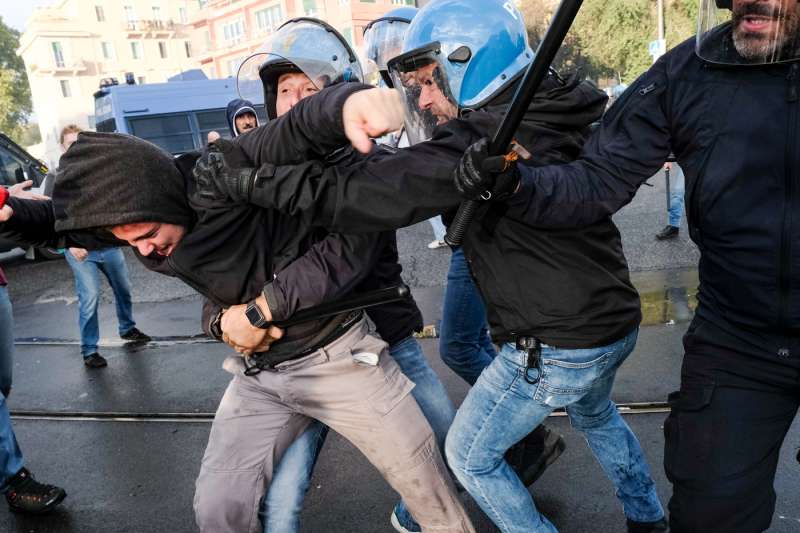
173, 133
12, 171
213, 121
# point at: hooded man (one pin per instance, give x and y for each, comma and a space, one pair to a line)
234, 254
241, 116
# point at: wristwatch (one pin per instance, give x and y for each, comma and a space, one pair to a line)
215, 327
255, 316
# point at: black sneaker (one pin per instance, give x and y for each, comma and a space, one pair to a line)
531, 456
669, 232
26, 495
648, 527
95, 360
134, 335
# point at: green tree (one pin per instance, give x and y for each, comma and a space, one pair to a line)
609, 37
15, 93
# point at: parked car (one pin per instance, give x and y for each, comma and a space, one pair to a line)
16, 166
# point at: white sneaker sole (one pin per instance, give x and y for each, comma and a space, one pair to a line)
396, 524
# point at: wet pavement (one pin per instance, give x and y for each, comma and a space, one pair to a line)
126, 441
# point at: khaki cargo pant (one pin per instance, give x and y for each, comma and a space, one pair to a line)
368, 405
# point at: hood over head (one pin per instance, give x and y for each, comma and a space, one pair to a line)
235, 108
109, 179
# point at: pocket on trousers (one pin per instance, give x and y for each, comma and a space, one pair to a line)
396, 386
367, 345
572, 379
689, 432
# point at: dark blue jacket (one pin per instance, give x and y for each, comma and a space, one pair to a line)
734, 132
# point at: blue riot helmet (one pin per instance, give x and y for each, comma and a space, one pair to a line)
300, 45
383, 40
458, 54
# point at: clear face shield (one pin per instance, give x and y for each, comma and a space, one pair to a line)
748, 32
383, 40
422, 81
314, 48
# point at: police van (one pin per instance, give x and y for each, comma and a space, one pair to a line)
177, 115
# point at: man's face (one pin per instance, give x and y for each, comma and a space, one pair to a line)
762, 28
431, 97
244, 122
69, 138
149, 237
292, 88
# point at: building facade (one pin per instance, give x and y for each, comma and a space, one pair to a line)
227, 31
71, 46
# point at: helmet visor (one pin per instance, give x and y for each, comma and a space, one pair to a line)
422, 81
316, 50
748, 33
383, 41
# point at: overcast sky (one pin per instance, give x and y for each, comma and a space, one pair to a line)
15, 12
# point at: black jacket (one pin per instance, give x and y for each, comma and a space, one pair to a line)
735, 134
569, 288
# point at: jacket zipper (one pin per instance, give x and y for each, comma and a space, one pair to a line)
784, 283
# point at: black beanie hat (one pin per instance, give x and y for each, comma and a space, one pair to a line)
109, 179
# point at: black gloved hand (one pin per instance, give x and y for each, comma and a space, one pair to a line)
481, 177
223, 172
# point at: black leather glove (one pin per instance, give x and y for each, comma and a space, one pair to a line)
223, 172
481, 177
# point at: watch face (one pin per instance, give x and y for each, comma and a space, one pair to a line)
253, 314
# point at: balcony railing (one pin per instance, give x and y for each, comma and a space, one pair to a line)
154, 26
68, 67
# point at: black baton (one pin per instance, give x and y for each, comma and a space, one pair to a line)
548, 48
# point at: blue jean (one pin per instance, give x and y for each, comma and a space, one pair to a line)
464, 342
281, 506
503, 407
111, 262
677, 188
438, 227
11, 460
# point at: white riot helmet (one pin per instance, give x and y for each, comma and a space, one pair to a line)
307, 45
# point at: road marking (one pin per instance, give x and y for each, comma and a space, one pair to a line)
122, 416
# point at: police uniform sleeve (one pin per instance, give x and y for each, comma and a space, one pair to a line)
387, 190
331, 268
631, 144
311, 129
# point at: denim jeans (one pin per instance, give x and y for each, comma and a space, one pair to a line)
464, 342
503, 407
677, 188
11, 460
111, 262
281, 506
